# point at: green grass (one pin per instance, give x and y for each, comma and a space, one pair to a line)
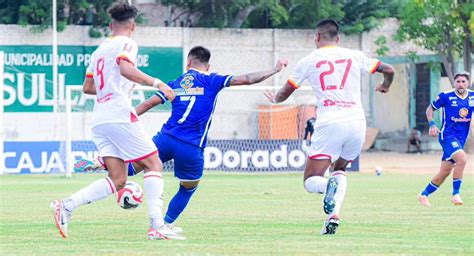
243, 214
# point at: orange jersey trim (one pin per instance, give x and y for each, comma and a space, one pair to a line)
293, 84
125, 58
375, 67
89, 75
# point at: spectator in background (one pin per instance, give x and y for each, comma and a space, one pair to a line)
415, 140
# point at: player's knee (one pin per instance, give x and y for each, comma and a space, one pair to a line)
153, 164
461, 161
189, 184
315, 184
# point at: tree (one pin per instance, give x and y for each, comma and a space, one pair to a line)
442, 26
355, 16
38, 14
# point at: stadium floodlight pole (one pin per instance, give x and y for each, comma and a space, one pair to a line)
55, 57
2, 160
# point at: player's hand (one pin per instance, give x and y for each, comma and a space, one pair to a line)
270, 96
381, 89
281, 64
434, 131
169, 93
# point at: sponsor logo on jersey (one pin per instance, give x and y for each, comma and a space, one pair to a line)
463, 112
452, 98
471, 103
187, 87
187, 82
454, 103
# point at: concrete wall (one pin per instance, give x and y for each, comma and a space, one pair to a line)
234, 51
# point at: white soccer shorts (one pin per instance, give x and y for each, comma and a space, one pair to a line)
127, 141
338, 140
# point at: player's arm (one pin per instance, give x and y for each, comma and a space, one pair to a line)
128, 70
257, 77
434, 131
89, 87
148, 104
388, 74
281, 95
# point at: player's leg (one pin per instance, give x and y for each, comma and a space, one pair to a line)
137, 147
353, 135
450, 148
461, 160
100, 189
188, 168
438, 179
325, 146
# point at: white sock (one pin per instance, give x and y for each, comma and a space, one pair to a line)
316, 184
96, 191
153, 183
340, 192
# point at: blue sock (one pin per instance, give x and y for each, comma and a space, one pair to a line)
456, 186
178, 203
131, 170
429, 189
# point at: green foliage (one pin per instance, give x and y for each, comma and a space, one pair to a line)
355, 16
383, 49
437, 25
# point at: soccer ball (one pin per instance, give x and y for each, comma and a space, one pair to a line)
130, 197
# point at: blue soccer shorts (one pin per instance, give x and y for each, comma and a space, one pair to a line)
451, 146
188, 158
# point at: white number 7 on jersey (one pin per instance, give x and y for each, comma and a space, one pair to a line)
191, 100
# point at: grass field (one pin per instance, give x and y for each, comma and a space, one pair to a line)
243, 214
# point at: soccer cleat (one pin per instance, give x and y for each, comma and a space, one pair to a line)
328, 200
61, 216
177, 230
164, 233
456, 200
423, 200
84, 165
330, 225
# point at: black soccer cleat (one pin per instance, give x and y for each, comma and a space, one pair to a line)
330, 226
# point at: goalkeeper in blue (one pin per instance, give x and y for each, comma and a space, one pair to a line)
183, 137
458, 105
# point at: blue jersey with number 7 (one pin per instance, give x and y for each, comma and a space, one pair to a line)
192, 109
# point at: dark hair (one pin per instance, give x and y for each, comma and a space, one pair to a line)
464, 74
200, 53
123, 12
328, 29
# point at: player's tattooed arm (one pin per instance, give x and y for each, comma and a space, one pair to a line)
148, 104
88, 87
281, 95
258, 77
388, 74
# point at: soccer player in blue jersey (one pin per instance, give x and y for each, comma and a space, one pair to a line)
183, 137
458, 105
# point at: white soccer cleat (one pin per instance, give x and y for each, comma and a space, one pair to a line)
330, 225
423, 200
177, 230
456, 200
164, 233
61, 216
